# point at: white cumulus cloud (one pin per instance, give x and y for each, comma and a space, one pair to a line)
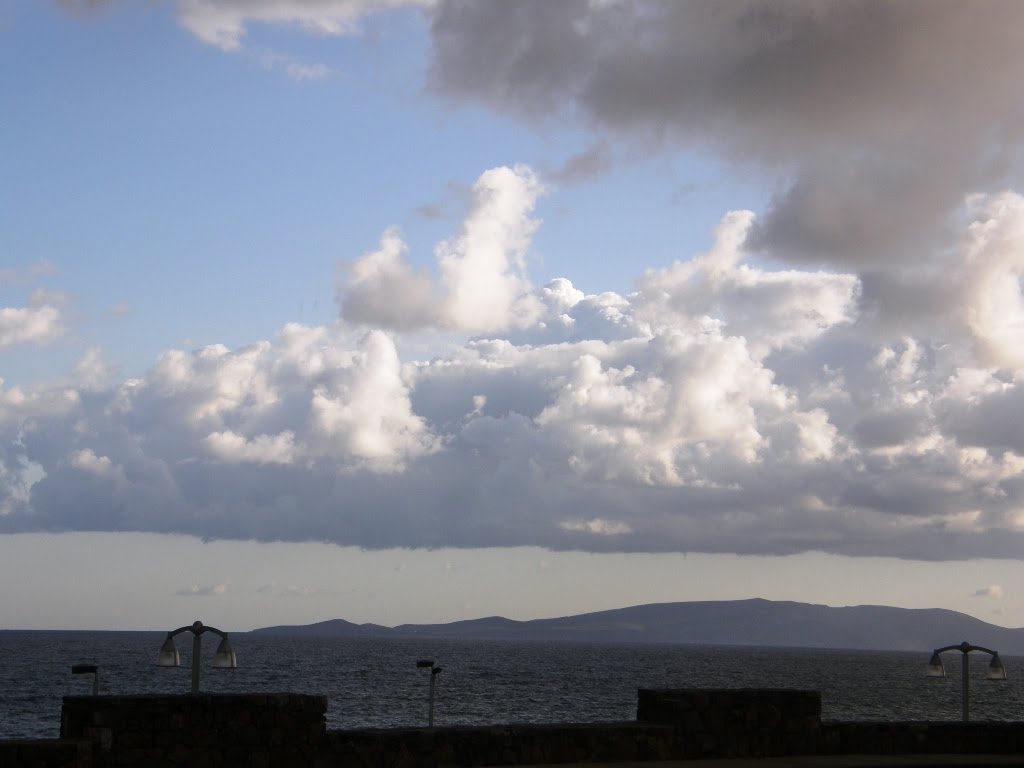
223, 23
210, 590
481, 284
721, 406
29, 325
994, 285
260, 449
992, 590
597, 526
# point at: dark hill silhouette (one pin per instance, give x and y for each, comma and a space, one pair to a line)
754, 622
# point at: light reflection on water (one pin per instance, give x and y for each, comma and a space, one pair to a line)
375, 683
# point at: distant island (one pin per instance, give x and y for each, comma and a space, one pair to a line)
753, 622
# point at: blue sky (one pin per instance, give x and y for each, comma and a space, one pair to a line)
158, 185
514, 308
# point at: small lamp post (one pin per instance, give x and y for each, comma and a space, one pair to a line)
88, 669
224, 658
434, 672
995, 671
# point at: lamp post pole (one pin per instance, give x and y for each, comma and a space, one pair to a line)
197, 646
965, 685
996, 671
434, 672
433, 687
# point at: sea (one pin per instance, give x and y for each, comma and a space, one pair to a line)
373, 683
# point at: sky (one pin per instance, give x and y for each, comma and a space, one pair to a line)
415, 311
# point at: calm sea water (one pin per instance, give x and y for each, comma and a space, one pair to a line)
375, 683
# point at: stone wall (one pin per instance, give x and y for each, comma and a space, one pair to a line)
501, 745
204, 730
736, 723
208, 731
45, 753
953, 738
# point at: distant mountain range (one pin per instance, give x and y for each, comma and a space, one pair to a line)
722, 622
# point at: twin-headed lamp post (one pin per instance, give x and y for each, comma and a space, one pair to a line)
995, 669
224, 658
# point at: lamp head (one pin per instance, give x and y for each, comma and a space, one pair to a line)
995, 671
168, 656
935, 668
224, 658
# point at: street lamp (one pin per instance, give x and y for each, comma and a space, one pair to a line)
434, 672
224, 658
88, 669
995, 670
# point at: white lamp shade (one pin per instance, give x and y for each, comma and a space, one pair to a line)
995, 671
168, 656
224, 658
935, 668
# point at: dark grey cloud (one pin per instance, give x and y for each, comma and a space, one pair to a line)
887, 428
877, 116
430, 211
993, 422
84, 6
593, 161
